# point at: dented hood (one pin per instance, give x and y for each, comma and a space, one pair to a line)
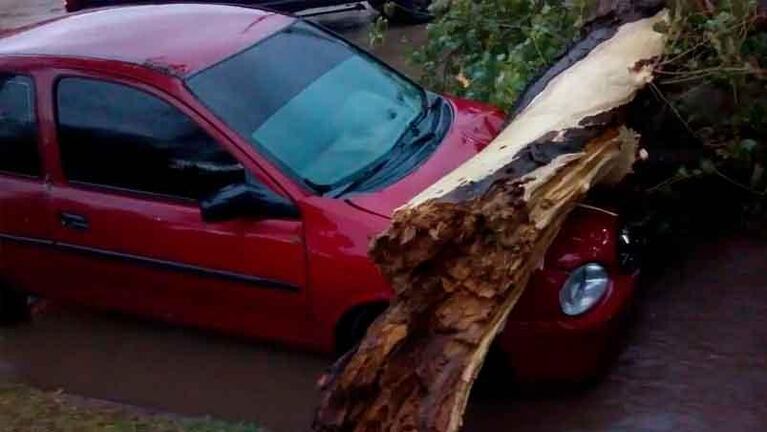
474, 126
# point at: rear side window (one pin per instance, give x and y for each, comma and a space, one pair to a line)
18, 127
121, 137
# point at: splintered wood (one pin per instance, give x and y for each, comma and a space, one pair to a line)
460, 254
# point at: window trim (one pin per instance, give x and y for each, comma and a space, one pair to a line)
41, 172
117, 190
132, 193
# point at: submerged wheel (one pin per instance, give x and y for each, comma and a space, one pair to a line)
14, 306
403, 11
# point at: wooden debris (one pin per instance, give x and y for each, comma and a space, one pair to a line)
460, 254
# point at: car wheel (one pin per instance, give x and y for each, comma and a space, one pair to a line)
354, 326
14, 306
403, 11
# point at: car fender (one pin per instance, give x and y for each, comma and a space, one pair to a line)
340, 274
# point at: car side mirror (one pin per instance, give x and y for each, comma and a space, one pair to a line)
245, 199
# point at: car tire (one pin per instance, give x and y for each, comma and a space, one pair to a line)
404, 11
14, 306
354, 325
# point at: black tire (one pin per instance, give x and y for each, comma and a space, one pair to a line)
404, 11
353, 326
14, 306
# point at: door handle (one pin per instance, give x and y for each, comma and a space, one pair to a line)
73, 221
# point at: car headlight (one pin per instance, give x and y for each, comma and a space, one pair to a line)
583, 289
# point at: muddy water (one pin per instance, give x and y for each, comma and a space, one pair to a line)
162, 367
695, 361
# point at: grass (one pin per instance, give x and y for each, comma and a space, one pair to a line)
24, 409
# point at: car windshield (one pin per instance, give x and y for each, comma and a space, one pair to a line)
314, 104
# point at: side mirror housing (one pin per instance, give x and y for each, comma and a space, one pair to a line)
244, 199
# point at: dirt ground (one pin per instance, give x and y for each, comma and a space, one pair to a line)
696, 359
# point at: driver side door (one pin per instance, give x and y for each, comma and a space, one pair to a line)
133, 167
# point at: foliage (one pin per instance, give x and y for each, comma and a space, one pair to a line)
490, 49
711, 80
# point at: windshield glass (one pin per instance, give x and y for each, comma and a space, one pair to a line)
317, 106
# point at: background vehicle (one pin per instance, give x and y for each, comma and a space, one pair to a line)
234, 183
406, 11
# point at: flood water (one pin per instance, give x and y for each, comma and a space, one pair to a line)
696, 360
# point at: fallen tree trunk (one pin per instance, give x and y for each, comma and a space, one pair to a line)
460, 254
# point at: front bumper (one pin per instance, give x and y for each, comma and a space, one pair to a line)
569, 348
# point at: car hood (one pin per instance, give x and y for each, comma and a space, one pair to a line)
474, 126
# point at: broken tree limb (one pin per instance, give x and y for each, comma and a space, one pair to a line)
460, 254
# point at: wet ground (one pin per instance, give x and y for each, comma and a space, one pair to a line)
696, 359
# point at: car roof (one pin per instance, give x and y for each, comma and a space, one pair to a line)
179, 39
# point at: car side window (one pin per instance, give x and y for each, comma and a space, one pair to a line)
118, 136
18, 126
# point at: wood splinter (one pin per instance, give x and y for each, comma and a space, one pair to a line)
460, 254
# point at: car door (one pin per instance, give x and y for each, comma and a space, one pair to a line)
134, 165
25, 217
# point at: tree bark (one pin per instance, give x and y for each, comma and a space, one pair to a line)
460, 254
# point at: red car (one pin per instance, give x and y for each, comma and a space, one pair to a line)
227, 167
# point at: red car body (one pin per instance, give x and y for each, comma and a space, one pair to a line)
292, 281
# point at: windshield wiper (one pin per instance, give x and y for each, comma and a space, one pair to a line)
424, 99
425, 108
435, 106
363, 178
412, 137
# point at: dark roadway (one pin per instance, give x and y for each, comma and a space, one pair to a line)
696, 358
